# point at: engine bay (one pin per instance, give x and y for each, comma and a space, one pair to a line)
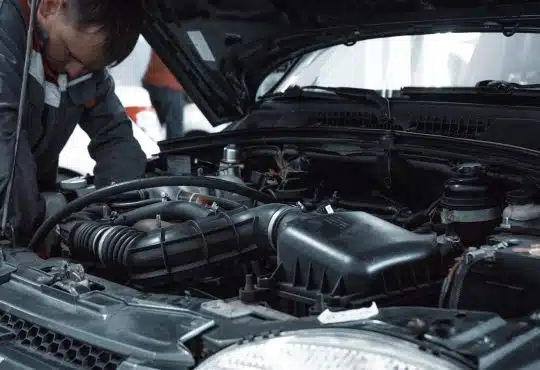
219, 248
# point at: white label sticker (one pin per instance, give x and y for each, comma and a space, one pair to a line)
329, 209
364, 313
198, 40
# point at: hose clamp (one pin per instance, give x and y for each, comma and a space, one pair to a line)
274, 220
480, 215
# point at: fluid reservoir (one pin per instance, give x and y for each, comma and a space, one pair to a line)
230, 169
231, 162
470, 210
521, 210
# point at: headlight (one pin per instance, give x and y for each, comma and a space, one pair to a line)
326, 349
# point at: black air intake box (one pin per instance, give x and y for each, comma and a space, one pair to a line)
354, 255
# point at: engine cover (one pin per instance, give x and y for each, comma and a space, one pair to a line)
355, 255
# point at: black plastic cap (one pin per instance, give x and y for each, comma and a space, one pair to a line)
519, 197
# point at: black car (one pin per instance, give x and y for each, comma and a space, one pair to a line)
373, 203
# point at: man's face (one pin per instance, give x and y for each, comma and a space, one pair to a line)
70, 49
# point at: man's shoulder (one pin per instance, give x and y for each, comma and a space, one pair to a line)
12, 18
87, 90
14, 8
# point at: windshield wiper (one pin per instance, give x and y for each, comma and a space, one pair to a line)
323, 92
485, 87
500, 84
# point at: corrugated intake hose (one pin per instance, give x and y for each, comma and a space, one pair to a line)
181, 251
107, 243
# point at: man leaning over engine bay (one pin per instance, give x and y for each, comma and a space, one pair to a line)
73, 43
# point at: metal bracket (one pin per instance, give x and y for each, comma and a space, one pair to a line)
388, 144
68, 276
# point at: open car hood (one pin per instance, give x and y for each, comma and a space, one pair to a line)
221, 50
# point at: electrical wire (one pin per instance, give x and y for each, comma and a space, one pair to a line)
458, 282
26, 69
446, 285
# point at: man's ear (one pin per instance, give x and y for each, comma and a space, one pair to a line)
49, 8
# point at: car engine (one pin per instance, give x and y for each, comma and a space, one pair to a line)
223, 254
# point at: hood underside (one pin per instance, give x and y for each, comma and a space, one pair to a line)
221, 50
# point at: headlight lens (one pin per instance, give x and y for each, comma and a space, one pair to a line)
327, 349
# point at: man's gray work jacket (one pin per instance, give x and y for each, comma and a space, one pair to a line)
51, 113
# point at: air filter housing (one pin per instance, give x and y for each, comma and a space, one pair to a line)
351, 257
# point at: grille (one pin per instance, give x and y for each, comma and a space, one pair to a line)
60, 347
466, 127
350, 119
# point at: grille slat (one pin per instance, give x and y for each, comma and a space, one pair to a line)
350, 119
57, 346
465, 127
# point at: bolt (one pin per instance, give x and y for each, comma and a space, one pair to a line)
249, 283
444, 328
535, 317
417, 326
301, 205
320, 298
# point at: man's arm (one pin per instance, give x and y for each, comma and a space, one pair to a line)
117, 153
26, 209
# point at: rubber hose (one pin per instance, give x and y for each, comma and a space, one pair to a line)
367, 207
444, 291
518, 230
169, 211
457, 286
386, 212
138, 185
413, 221
130, 205
128, 196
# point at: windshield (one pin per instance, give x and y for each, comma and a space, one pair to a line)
445, 59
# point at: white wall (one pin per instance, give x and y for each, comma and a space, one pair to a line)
131, 71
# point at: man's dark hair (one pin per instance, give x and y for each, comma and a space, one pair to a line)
120, 20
